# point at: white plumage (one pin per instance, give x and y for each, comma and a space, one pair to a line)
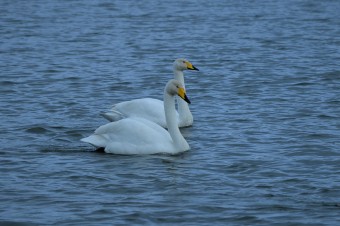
152, 109
135, 135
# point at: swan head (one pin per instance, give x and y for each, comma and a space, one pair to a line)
182, 64
174, 87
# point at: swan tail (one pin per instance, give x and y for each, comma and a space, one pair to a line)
113, 115
95, 140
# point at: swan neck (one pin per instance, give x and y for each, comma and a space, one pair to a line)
171, 120
185, 115
179, 76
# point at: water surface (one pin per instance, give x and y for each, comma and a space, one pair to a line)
266, 136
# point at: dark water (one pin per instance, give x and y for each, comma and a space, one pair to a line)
265, 144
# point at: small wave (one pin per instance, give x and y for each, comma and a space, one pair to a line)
303, 84
65, 149
330, 76
37, 130
15, 223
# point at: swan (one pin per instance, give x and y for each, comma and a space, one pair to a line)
135, 135
152, 109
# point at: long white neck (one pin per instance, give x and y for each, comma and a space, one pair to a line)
185, 116
179, 76
171, 121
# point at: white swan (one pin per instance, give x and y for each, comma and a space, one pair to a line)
152, 109
136, 135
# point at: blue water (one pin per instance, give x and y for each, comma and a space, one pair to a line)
265, 144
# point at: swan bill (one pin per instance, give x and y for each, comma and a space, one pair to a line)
181, 93
190, 66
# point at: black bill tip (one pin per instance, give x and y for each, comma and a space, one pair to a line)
194, 68
186, 99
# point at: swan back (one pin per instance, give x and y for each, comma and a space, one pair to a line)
132, 136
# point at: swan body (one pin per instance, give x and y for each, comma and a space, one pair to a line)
152, 109
136, 135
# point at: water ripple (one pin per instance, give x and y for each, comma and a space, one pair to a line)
265, 140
